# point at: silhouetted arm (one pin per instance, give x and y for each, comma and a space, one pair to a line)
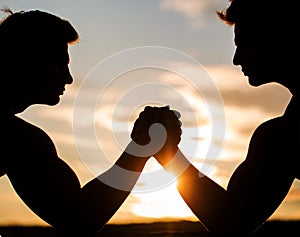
113, 186
255, 190
52, 190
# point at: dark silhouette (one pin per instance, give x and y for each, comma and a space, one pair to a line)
34, 70
264, 45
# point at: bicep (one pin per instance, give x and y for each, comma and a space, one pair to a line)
257, 185
256, 190
44, 182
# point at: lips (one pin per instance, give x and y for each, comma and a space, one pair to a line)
249, 68
246, 71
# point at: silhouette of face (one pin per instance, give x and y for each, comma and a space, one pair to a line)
261, 51
45, 74
249, 53
56, 74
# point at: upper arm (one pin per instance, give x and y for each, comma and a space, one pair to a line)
261, 182
43, 181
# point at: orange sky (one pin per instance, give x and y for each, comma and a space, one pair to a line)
110, 26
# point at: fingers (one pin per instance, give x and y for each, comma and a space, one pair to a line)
163, 115
170, 119
178, 115
152, 111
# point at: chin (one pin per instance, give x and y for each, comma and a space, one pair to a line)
53, 101
255, 81
256, 84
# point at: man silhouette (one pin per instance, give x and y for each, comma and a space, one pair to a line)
264, 45
34, 70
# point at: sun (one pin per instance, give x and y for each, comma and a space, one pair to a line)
162, 202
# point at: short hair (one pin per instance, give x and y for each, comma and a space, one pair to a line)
264, 11
239, 9
35, 26
30, 31
272, 20
227, 16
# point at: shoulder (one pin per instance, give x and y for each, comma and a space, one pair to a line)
268, 137
282, 131
25, 137
274, 142
269, 128
22, 127
26, 147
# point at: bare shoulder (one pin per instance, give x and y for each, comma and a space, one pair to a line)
273, 141
22, 136
278, 130
269, 127
24, 129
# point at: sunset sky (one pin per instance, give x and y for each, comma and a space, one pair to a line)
132, 53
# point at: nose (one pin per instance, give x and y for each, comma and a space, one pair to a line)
244, 55
68, 77
236, 57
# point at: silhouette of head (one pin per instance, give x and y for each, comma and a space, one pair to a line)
264, 39
34, 58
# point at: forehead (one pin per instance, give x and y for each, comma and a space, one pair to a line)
55, 51
54, 46
252, 30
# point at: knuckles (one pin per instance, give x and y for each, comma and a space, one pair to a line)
170, 119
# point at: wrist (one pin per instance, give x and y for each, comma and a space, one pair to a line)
168, 151
138, 151
166, 155
131, 162
178, 164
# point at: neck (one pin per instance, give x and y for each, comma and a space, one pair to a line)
292, 109
14, 109
294, 90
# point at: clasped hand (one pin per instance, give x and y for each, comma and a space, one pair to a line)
160, 125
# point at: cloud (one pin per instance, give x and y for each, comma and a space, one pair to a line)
189, 8
194, 10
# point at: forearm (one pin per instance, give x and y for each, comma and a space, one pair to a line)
106, 193
122, 176
205, 198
